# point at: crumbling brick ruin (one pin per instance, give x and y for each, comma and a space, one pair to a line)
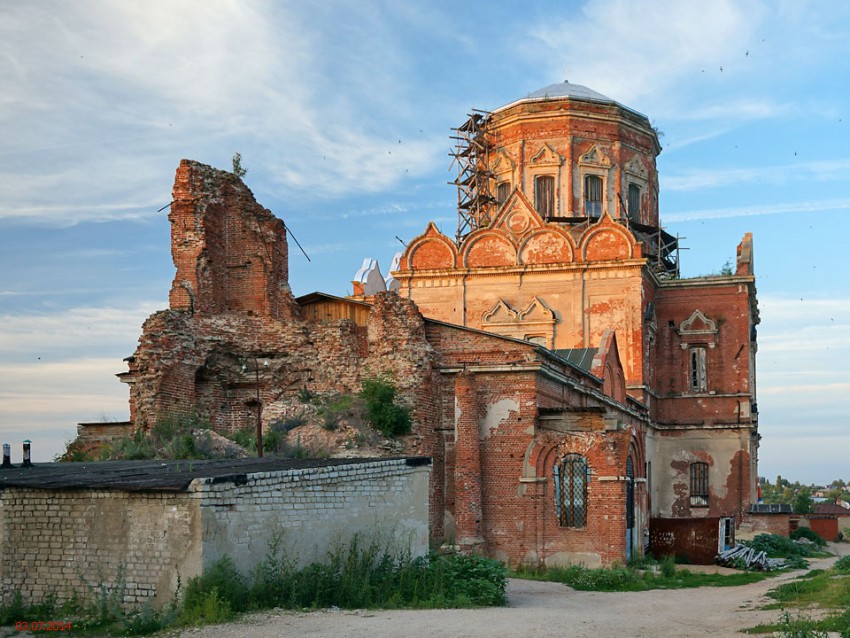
234, 330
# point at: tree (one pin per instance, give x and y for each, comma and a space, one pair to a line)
238, 169
803, 502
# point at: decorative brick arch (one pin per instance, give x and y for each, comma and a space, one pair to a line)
430, 251
489, 248
547, 246
607, 242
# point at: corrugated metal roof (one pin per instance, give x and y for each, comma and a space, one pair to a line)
579, 357
145, 476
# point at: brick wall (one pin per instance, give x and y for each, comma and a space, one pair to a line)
68, 542
771, 523
313, 509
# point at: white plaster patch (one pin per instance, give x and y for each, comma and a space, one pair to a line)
496, 414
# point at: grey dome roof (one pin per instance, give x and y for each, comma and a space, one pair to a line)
567, 90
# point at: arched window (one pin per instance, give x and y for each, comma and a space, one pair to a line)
571, 477
634, 202
544, 195
503, 189
592, 195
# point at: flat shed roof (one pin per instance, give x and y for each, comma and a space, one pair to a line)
151, 476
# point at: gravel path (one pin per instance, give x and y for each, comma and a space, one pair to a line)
540, 609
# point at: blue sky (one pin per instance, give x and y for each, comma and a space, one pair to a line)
342, 113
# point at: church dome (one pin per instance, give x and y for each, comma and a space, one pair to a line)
565, 89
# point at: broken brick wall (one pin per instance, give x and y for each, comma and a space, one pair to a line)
230, 252
234, 333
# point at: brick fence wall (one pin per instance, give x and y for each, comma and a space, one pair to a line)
68, 542
312, 510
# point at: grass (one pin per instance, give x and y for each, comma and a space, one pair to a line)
824, 590
631, 578
361, 575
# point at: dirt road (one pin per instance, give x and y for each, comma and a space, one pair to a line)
540, 610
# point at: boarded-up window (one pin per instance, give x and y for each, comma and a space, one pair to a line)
698, 378
544, 195
593, 195
634, 202
699, 484
503, 189
571, 476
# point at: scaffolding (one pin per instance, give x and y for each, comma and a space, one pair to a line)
471, 153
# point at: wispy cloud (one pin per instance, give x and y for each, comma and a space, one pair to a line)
124, 91
837, 169
55, 337
649, 46
767, 209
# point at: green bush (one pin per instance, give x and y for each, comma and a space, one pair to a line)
333, 408
221, 584
383, 413
777, 546
842, 565
808, 534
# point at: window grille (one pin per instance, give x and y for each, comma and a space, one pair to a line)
698, 377
593, 195
699, 484
544, 195
571, 477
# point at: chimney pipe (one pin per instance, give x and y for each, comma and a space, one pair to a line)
27, 462
7, 455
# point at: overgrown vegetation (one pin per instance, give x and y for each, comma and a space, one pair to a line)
238, 170
357, 576
382, 411
361, 575
335, 407
822, 589
634, 578
176, 437
102, 613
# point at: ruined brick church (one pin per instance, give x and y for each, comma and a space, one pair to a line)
567, 383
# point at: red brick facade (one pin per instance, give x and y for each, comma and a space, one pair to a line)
576, 269
564, 381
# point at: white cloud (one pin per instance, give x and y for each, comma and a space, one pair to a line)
95, 123
49, 381
635, 51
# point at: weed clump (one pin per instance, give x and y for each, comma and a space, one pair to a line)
384, 414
